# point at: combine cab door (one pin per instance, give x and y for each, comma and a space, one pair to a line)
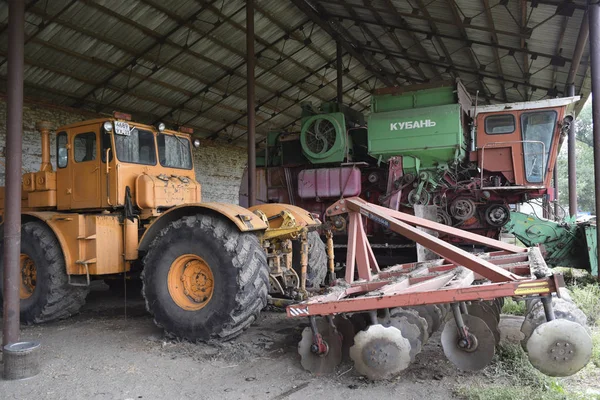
85, 167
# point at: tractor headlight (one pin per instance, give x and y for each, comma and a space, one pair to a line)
161, 126
107, 126
196, 143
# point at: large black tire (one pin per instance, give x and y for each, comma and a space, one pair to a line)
239, 267
316, 270
53, 298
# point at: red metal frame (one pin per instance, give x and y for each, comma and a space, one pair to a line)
457, 276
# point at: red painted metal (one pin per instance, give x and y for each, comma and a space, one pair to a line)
503, 273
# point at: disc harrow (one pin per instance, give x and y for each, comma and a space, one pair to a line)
391, 312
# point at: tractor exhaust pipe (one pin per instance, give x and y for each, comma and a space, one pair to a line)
44, 128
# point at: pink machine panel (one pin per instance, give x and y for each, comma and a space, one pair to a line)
329, 182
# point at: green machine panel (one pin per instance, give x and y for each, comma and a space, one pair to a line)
432, 134
420, 98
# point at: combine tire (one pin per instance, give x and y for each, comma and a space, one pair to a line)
45, 292
316, 270
203, 279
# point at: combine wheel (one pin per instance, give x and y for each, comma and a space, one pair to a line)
345, 328
316, 270
410, 332
563, 309
203, 279
380, 353
485, 312
413, 318
559, 347
443, 217
473, 356
325, 362
462, 209
45, 291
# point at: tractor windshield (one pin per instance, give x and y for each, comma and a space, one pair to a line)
174, 151
537, 129
136, 147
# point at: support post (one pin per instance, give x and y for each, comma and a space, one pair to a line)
571, 161
250, 61
555, 179
12, 206
340, 72
594, 14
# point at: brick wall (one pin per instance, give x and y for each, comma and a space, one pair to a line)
219, 166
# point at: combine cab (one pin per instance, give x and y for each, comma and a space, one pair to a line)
421, 145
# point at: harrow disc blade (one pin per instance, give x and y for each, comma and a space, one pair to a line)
559, 347
437, 317
380, 352
473, 359
410, 332
324, 363
424, 313
346, 329
413, 317
563, 309
485, 312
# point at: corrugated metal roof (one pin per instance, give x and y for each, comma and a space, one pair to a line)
183, 61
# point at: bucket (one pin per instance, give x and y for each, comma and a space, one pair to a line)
21, 360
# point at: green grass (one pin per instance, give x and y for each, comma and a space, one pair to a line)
513, 307
587, 298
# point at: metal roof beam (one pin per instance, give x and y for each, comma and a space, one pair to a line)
469, 71
490, 19
332, 28
407, 28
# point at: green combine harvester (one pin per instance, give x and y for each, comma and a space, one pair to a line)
567, 243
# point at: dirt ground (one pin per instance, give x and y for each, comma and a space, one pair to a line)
103, 354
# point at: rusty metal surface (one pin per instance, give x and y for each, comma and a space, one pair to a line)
250, 110
12, 215
571, 163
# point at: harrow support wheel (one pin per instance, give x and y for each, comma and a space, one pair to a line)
325, 363
380, 352
559, 347
476, 357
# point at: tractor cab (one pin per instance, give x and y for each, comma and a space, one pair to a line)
107, 163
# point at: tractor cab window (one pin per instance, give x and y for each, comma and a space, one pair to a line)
136, 146
62, 154
174, 151
537, 129
84, 147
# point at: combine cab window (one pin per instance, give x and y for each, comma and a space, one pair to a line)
537, 129
137, 147
174, 152
500, 124
84, 147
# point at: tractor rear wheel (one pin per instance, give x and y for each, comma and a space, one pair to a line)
45, 292
203, 279
316, 270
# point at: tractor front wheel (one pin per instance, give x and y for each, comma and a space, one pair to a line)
203, 279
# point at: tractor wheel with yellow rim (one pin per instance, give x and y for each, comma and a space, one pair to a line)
204, 279
44, 289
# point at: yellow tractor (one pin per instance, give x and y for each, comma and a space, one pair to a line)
124, 200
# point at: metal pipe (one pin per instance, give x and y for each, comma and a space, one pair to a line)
250, 61
578, 52
571, 162
12, 207
340, 72
594, 14
555, 179
44, 128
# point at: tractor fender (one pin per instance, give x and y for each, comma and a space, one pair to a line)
47, 217
244, 219
303, 217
